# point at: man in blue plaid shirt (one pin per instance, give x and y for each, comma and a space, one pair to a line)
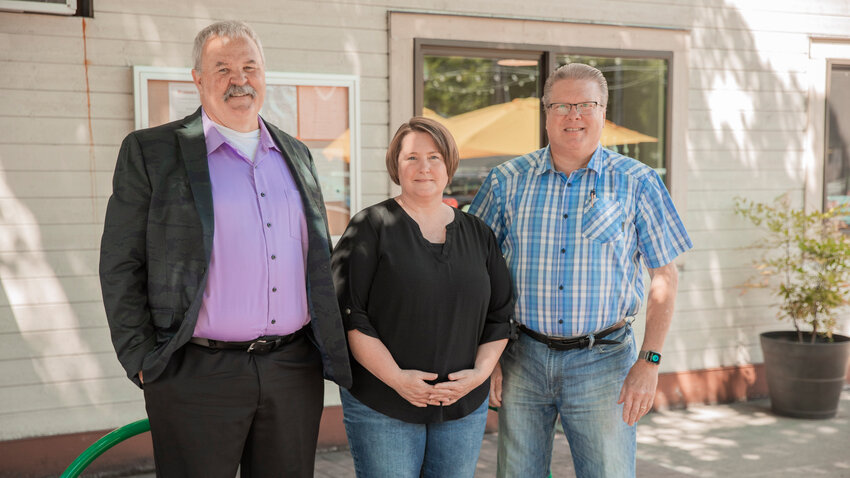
575, 221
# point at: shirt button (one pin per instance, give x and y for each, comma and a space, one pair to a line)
566, 215
274, 257
262, 195
268, 224
274, 321
348, 311
563, 250
569, 185
560, 321
560, 287
274, 289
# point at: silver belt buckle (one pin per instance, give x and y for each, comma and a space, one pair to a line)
254, 343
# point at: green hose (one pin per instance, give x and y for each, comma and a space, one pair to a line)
113, 438
106, 442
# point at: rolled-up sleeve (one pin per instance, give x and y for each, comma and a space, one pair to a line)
487, 205
661, 234
354, 261
498, 323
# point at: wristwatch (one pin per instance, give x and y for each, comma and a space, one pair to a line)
650, 356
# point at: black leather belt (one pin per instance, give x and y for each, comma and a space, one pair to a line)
569, 343
259, 346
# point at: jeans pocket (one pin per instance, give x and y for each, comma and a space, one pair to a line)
602, 221
623, 335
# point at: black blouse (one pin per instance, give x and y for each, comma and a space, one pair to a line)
431, 305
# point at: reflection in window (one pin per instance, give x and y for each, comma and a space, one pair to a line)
837, 160
637, 104
323, 127
316, 115
492, 108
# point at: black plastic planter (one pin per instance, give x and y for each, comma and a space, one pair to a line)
804, 379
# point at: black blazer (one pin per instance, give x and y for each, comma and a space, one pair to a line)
157, 240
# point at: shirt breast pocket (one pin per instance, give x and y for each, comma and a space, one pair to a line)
603, 221
295, 210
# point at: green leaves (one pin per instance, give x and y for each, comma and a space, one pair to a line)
805, 258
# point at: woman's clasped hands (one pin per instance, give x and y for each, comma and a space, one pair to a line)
413, 386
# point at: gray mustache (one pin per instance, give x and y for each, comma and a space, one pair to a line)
234, 90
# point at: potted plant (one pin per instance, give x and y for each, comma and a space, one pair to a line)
805, 260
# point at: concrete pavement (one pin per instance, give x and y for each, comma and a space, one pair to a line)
728, 441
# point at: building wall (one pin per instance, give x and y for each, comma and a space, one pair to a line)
66, 102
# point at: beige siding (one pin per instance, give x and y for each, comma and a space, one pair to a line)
63, 114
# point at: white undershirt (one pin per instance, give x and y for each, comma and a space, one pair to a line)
245, 143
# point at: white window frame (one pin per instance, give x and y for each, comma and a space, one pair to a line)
822, 51
143, 74
68, 7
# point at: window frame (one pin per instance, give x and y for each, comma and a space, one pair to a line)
143, 74
405, 26
830, 62
669, 164
424, 46
546, 55
69, 7
822, 51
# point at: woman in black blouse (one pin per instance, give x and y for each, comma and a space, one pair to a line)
426, 300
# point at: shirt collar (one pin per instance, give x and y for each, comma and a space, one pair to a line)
545, 164
597, 161
214, 139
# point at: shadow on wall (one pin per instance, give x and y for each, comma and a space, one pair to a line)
50, 355
746, 137
58, 371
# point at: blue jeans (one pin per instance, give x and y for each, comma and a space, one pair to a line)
581, 385
382, 446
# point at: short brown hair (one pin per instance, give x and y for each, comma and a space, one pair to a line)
442, 138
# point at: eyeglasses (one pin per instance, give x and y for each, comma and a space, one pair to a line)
563, 109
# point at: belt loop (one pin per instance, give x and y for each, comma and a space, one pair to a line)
592, 339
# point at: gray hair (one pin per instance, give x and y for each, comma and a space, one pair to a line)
230, 29
575, 71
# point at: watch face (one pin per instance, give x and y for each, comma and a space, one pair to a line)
653, 357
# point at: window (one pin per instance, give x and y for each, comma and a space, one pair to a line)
836, 190
491, 105
636, 116
60, 7
489, 98
319, 110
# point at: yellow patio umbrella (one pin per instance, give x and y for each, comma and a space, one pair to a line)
513, 128
505, 129
339, 147
615, 134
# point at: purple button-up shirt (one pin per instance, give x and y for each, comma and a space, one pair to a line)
257, 281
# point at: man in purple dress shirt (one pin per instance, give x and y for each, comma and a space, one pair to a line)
215, 278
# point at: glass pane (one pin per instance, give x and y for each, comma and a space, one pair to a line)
837, 161
323, 127
492, 108
637, 103
316, 115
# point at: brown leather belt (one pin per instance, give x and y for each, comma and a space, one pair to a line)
570, 343
259, 346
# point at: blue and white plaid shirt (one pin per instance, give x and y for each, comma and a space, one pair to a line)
574, 243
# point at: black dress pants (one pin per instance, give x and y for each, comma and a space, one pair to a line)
212, 410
